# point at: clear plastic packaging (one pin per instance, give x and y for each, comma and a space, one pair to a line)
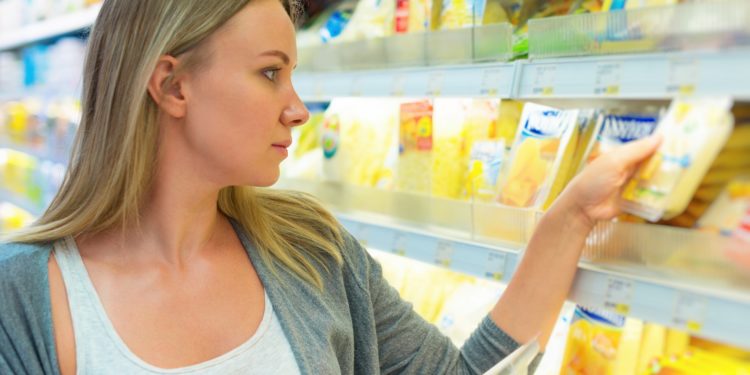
542, 143
689, 26
694, 132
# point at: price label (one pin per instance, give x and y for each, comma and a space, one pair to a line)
356, 87
495, 267
491, 79
619, 295
689, 312
544, 80
318, 88
399, 244
608, 76
364, 232
435, 83
398, 85
682, 76
444, 254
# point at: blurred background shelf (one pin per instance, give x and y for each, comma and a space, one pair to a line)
25, 204
48, 29
638, 76
649, 272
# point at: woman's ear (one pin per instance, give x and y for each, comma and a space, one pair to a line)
165, 87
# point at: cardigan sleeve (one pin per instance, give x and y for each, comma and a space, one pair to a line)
26, 334
407, 344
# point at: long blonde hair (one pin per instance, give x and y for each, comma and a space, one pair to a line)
114, 154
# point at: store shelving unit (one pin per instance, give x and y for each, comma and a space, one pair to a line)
25, 204
643, 76
462, 236
448, 233
48, 29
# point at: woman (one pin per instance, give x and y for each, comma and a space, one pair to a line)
158, 255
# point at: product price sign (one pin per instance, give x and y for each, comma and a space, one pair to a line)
398, 85
444, 253
619, 295
363, 233
689, 312
318, 88
495, 266
544, 80
435, 83
491, 80
682, 76
399, 244
356, 86
607, 81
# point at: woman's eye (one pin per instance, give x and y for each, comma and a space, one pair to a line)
271, 74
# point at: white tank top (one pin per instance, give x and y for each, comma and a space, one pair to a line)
100, 350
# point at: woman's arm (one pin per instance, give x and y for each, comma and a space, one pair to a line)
531, 303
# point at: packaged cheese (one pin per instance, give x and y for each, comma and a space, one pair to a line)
415, 147
448, 137
541, 144
613, 131
570, 161
485, 162
694, 132
593, 342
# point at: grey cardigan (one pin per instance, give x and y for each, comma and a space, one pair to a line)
356, 325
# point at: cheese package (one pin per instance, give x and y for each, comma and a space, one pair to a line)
726, 212
542, 142
587, 123
412, 16
694, 132
448, 137
613, 131
571, 157
415, 147
593, 341
485, 163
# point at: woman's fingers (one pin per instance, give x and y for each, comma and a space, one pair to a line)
635, 152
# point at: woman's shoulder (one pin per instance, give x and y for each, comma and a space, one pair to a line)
22, 264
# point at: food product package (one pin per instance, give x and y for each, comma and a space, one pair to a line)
415, 147
542, 142
593, 341
694, 131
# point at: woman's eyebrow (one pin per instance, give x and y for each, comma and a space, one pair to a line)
283, 56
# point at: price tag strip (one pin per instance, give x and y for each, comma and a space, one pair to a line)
619, 295
399, 244
435, 83
682, 76
544, 80
495, 266
689, 312
608, 76
444, 253
491, 79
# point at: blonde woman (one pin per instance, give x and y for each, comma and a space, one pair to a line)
162, 253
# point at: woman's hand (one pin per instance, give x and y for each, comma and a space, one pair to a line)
595, 193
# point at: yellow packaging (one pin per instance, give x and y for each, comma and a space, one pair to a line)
448, 157
415, 147
593, 341
653, 342
542, 142
694, 132
570, 160
587, 127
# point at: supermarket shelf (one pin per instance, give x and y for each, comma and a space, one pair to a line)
714, 313
51, 28
645, 76
489, 79
30, 207
38, 154
630, 269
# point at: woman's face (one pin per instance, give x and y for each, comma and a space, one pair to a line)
241, 106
